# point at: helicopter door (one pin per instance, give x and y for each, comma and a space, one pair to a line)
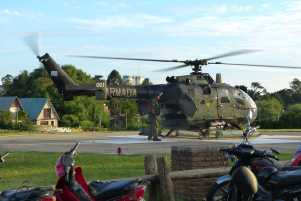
208, 104
225, 108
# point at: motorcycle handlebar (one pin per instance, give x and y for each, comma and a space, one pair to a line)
74, 149
257, 153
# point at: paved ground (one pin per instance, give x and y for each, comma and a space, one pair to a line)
131, 143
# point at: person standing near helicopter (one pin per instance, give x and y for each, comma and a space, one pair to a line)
154, 123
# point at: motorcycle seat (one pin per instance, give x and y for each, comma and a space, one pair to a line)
23, 194
107, 190
286, 178
290, 168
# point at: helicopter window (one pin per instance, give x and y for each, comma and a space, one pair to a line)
240, 101
206, 90
225, 100
188, 81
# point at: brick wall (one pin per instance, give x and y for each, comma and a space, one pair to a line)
195, 157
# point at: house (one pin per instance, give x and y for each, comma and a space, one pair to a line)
40, 111
11, 104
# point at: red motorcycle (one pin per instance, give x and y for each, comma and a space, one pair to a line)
26, 194
72, 185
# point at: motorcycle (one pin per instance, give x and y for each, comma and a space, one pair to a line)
243, 154
260, 163
72, 185
296, 161
27, 194
269, 185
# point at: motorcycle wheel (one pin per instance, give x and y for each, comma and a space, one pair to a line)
218, 192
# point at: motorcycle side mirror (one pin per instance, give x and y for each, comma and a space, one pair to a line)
2, 157
274, 151
74, 149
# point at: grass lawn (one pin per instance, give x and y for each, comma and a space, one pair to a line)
38, 168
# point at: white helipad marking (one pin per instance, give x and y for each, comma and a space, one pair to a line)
130, 139
264, 139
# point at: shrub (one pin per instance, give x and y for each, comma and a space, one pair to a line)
87, 125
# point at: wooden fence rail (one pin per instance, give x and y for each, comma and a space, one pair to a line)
160, 178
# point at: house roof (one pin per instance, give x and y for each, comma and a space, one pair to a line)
6, 101
33, 106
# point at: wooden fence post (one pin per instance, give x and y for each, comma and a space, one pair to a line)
150, 168
166, 185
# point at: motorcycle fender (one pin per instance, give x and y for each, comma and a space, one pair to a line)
223, 179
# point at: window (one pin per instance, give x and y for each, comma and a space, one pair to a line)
44, 123
47, 113
240, 101
225, 100
206, 90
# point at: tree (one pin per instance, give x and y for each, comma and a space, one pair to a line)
6, 119
292, 117
146, 82
7, 81
130, 109
269, 111
296, 85
78, 75
256, 90
84, 108
114, 78
285, 96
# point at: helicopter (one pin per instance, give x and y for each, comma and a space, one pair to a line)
194, 102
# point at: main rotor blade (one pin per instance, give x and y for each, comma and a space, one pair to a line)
125, 58
257, 65
32, 41
232, 53
171, 68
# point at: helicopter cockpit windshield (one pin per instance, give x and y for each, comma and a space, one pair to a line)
252, 104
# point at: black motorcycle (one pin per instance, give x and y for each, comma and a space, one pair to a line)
256, 175
271, 184
246, 155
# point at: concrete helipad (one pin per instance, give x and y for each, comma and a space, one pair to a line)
129, 139
264, 139
132, 143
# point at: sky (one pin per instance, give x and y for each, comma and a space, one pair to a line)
159, 29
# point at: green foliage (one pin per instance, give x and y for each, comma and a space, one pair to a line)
87, 125
7, 81
130, 108
70, 120
39, 84
24, 123
269, 111
114, 78
78, 75
36, 167
18, 122
296, 85
6, 119
84, 108
292, 117
256, 91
